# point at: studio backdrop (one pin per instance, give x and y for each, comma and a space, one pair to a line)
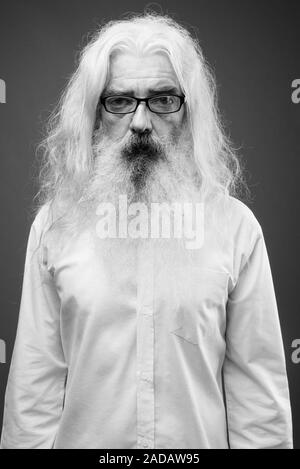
253, 48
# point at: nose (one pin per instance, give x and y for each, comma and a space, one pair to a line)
141, 121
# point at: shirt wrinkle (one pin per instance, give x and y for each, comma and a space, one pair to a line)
123, 359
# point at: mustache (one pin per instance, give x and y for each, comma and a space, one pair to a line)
141, 154
143, 147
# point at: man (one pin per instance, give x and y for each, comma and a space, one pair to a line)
127, 340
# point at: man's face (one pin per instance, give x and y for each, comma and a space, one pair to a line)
143, 142
142, 77
147, 156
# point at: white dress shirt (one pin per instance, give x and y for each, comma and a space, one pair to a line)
102, 361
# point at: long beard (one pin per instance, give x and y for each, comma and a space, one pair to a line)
145, 169
148, 171
162, 172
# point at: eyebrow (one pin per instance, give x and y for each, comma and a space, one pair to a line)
129, 92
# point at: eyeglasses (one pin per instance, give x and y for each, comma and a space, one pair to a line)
160, 104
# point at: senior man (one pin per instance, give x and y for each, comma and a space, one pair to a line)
128, 340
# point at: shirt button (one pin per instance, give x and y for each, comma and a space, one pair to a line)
147, 377
148, 312
144, 443
148, 316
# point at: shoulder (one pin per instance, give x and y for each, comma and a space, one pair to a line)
38, 242
242, 217
238, 229
246, 235
42, 218
241, 233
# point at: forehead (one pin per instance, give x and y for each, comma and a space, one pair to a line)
139, 74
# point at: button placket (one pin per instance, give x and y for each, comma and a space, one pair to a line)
145, 353
143, 443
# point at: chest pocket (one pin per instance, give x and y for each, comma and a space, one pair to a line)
203, 316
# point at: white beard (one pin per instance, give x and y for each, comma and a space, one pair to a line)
170, 180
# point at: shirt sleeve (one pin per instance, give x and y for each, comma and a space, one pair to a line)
35, 388
254, 371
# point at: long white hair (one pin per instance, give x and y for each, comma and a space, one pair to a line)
67, 156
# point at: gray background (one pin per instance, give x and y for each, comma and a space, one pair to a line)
253, 47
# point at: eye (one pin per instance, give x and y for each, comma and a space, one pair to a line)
119, 102
164, 103
163, 100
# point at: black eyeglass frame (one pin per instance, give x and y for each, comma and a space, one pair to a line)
146, 100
